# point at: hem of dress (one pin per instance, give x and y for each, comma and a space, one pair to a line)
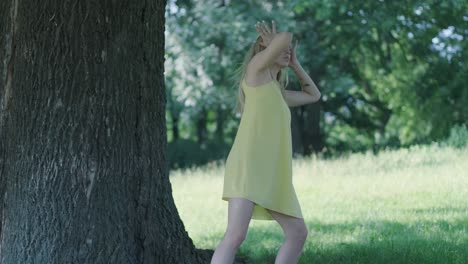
226, 198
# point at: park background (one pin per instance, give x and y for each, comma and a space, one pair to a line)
391, 73
380, 162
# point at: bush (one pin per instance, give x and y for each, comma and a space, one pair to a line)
458, 137
187, 153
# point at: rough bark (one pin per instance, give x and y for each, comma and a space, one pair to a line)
7, 29
83, 158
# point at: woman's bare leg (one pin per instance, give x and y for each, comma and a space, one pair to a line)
295, 232
239, 214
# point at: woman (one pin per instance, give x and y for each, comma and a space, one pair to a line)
258, 171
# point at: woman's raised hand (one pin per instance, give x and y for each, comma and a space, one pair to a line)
265, 32
293, 61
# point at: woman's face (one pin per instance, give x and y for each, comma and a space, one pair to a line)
283, 59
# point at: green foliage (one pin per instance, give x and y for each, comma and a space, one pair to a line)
458, 137
185, 153
391, 73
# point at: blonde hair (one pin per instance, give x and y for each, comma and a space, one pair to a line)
239, 74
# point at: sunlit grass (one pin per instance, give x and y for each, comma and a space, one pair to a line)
404, 206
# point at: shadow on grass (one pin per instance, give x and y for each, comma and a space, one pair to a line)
439, 241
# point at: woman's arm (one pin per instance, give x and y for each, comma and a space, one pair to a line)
307, 84
309, 94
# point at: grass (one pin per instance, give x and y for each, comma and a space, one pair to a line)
404, 206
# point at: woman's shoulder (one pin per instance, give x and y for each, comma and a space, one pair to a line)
257, 78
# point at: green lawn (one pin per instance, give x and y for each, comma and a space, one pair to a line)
404, 206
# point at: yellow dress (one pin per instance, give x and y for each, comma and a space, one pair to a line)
259, 164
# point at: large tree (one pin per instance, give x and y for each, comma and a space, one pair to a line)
83, 169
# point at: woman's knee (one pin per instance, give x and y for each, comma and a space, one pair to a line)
297, 232
235, 239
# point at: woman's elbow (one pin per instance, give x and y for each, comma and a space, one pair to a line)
316, 98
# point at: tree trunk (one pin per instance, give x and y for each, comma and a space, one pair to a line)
83, 136
175, 126
7, 12
305, 129
297, 124
313, 141
171, 106
202, 132
220, 119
